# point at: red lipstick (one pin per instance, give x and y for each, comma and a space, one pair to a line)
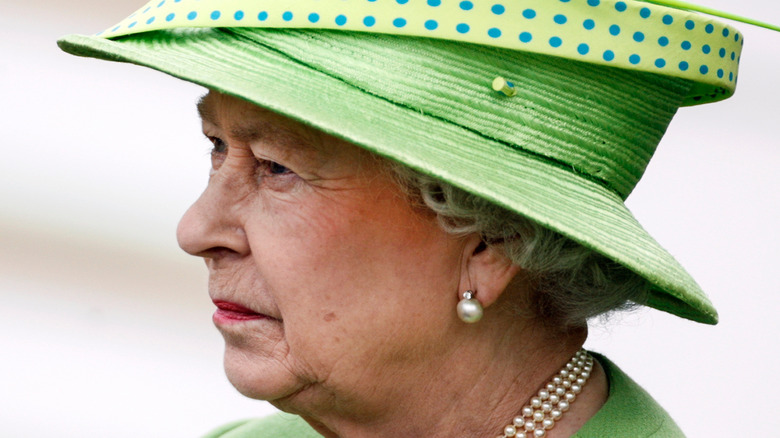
228, 313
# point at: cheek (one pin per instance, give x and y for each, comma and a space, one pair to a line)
360, 270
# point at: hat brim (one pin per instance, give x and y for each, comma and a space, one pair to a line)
539, 189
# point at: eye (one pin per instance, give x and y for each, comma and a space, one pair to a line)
268, 169
218, 152
277, 169
275, 176
219, 146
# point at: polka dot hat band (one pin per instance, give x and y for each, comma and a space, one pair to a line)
627, 34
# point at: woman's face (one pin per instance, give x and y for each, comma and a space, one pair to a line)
332, 288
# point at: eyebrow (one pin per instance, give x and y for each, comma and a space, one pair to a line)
204, 111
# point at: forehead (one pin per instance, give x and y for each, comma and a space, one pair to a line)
238, 120
249, 123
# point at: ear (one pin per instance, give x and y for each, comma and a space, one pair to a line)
485, 270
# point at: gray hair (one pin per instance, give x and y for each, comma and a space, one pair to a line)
569, 283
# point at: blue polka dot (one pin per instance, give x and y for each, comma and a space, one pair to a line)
498, 9
146, 10
115, 29
683, 66
494, 32
150, 21
400, 22
192, 15
565, 1
639, 37
663, 41
529, 13
668, 19
526, 37
686, 45
287, 16
313, 18
434, 3
583, 49
170, 17
160, 4
720, 73
239, 15
620, 6
644, 12
733, 54
402, 2
341, 20
466, 6
704, 69
634, 59
556, 41
560, 19
660, 63
369, 21
725, 32
614, 29
431, 24
709, 28
690, 24
462, 28
722, 52
594, 3
176, 1
609, 55
736, 37
215, 15
262, 16
589, 24
132, 24
731, 76
706, 49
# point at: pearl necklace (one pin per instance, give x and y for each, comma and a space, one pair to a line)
549, 404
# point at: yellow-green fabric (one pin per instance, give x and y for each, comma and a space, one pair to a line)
630, 412
632, 35
276, 426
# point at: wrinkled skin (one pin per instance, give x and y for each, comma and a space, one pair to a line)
313, 232
353, 290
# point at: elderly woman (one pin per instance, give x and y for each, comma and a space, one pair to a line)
415, 206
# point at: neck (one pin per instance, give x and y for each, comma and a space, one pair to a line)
483, 382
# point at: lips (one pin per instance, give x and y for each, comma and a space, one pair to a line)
229, 312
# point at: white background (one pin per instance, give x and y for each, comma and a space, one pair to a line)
105, 326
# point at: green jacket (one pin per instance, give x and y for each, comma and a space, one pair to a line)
629, 412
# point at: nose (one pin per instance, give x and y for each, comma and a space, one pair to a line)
212, 226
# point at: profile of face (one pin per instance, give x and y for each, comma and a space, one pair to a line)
331, 286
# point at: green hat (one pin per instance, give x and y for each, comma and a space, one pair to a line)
549, 108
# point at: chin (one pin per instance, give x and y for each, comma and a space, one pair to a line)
259, 377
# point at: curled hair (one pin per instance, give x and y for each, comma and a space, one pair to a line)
569, 282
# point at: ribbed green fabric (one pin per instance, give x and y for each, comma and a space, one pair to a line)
602, 122
630, 412
545, 190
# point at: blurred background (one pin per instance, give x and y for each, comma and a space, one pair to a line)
105, 325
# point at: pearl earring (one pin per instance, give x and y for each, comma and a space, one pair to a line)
469, 308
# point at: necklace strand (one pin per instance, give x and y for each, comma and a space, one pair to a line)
553, 400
